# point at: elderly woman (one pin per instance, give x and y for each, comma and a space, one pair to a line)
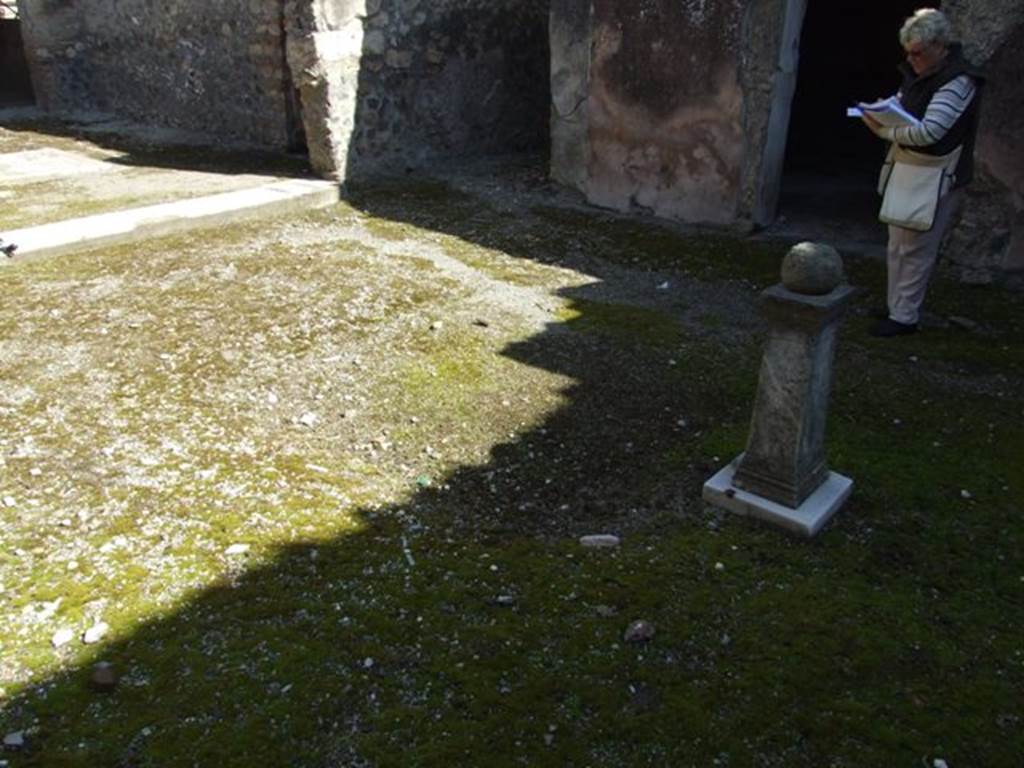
942, 91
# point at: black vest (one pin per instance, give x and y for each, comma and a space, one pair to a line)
917, 92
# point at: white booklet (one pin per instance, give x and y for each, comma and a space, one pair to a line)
887, 112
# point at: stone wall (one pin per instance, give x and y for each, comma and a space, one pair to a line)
216, 68
990, 236
672, 107
675, 107
655, 139
394, 84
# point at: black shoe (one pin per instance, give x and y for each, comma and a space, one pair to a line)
887, 327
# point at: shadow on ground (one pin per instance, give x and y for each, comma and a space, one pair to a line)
150, 147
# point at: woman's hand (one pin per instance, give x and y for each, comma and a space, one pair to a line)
873, 125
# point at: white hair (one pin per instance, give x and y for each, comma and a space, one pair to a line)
927, 25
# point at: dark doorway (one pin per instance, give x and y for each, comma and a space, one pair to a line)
15, 85
849, 52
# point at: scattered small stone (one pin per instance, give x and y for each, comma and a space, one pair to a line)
9, 501
605, 611
47, 610
966, 495
939, 763
600, 541
645, 698
104, 677
95, 633
15, 740
308, 419
506, 601
549, 739
639, 631
236, 549
368, 663
437, 325
62, 637
719, 566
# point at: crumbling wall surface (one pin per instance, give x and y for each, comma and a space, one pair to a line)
768, 71
666, 108
211, 67
570, 29
990, 236
395, 84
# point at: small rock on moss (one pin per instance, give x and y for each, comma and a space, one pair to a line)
104, 677
15, 740
600, 541
639, 631
62, 637
95, 633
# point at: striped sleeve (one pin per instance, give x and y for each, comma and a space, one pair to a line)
945, 108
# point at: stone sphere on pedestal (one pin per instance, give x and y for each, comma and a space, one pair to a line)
812, 268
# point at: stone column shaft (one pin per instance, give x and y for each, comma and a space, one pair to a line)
785, 456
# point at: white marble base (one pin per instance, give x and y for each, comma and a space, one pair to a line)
807, 519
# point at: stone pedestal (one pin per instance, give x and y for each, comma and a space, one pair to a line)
780, 474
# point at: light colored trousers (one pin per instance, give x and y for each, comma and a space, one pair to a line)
912, 256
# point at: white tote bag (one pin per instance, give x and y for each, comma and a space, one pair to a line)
911, 185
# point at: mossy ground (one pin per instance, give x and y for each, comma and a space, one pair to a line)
409, 407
